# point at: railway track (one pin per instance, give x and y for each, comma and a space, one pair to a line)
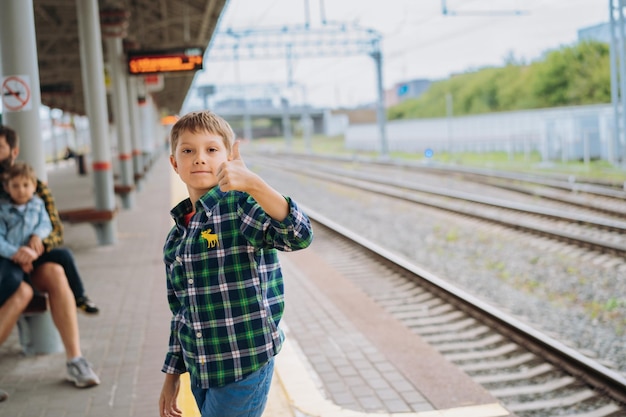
531, 373
594, 232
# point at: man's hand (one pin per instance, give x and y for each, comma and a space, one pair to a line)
36, 244
234, 175
27, 267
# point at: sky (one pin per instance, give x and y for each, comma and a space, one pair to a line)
418, 41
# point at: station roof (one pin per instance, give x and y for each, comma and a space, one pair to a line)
152, 25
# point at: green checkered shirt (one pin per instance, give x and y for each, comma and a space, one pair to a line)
225, 286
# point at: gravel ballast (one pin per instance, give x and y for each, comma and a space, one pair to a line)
568, 293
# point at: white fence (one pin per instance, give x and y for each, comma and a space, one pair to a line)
563, 133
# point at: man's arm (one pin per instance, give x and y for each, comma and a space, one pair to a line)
55, 238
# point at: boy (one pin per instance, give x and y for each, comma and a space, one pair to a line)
21, 217
224, 283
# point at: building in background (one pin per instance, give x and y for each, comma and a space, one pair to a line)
600, 32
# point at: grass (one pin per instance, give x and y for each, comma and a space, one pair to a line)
531, 163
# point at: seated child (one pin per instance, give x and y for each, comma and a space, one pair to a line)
21, 217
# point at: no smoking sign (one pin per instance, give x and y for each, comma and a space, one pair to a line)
16, 94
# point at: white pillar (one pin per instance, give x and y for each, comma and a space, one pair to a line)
115, 56
21, 94
92, 71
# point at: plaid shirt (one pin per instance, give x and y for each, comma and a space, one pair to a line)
55, 238
225, 286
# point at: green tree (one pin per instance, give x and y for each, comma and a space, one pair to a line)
573, 75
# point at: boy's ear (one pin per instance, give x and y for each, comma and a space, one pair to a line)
173, 163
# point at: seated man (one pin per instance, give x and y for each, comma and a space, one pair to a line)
49, 276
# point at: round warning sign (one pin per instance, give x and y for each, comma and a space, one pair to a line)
16, 93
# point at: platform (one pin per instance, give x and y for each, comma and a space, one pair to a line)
331, 365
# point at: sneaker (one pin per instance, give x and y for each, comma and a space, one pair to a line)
80, 373
3, 395
86, 305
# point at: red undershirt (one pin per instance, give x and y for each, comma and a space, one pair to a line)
188, 217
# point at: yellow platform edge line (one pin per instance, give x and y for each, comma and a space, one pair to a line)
186, 401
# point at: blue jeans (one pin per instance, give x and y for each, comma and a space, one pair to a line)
245, 398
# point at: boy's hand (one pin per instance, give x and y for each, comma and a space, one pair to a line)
24, 255
167, 400
234, 174
36, 244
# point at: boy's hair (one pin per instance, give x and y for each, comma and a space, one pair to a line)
10, 136
19, 170
202, 121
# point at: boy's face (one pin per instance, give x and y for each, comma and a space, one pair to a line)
21, 189
197, 159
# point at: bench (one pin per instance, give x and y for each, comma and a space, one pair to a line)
38, 304
90, 215
37, 332
123, 189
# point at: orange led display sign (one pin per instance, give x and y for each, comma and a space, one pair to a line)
171, 60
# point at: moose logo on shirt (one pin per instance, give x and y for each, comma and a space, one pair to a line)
211, 238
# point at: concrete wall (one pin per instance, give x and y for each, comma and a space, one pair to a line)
563, 133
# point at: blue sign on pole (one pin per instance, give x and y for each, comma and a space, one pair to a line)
403, 89
428, 153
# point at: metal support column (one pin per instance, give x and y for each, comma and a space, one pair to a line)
92, 71
286, 119
21, 94
381, 116
307, 122
149, 133
115, 58
614, 59
135, 125
247, 122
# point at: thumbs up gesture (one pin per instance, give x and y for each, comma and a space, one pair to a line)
234, 174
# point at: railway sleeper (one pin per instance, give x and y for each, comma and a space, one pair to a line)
477, 344
444, 328
470, 334
506, 349
524, 374
546, 387
559, 402
491, 366
433, 320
